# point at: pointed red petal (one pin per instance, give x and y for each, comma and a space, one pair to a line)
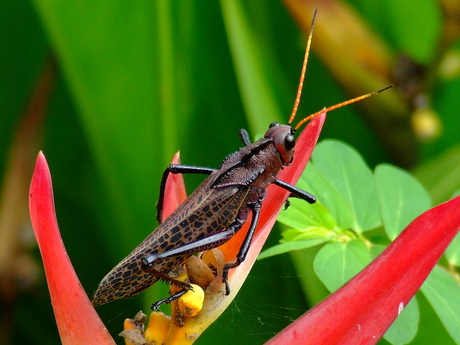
77, 321
361, 311
175, 192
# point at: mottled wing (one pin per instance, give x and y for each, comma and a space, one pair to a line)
207, 211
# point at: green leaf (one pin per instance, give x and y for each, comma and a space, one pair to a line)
254, 63
376, 250
405, 327
402, 198
453, 252
347, 172
103, 52
443, 293
291, 235
300, 216
406, 26
313, 181
337, 262
290, 246
311, 225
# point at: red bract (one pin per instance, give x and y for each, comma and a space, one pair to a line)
362, 310
77, 321
175, 193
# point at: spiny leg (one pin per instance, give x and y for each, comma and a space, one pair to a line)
181, 284
206, 243
203, 244
255, 208
156, 306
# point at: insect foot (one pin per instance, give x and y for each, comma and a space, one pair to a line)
190, 307
191, 302
188, 283
156, 306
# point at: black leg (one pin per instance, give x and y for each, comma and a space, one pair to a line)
296, 192
244, 136
203, 244
244, 246
156, 306
177, 169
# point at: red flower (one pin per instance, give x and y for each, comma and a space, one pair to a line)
77, 321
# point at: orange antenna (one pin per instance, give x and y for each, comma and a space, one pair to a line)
354, 100
304, 69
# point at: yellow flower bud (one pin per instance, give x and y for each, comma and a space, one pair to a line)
191, 302
129, 325
158, 327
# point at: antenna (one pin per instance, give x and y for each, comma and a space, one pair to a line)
304, 69
354, 100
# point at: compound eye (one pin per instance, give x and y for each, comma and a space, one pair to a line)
274, 124
289, 142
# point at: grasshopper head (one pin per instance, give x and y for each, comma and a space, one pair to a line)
283, 140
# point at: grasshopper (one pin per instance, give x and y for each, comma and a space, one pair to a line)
215, 211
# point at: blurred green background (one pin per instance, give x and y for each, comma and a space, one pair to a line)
111, 90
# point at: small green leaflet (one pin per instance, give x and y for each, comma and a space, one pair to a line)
349, 174
443, 293
336, 262
402, 198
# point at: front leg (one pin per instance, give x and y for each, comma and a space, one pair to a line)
296, 192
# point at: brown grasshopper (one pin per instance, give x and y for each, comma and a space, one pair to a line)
214, 212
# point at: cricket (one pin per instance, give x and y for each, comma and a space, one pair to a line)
215, 211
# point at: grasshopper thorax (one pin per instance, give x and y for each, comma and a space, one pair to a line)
283, 140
